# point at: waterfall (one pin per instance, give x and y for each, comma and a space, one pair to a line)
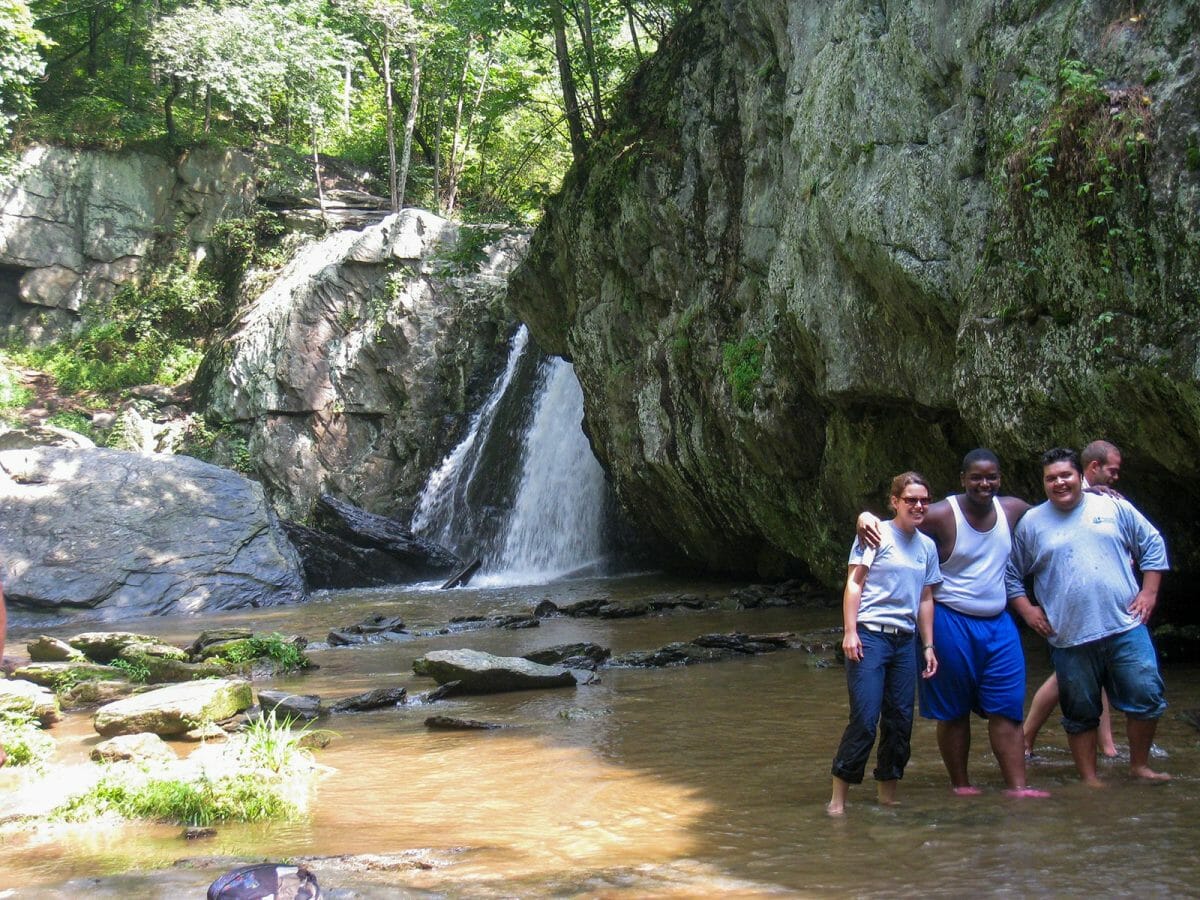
522, 491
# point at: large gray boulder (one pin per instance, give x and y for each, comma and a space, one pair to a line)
482, 673
176, 709
356, 369
75, 225
130, 535
821, 243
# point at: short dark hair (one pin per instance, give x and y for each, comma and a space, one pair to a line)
980, 454
1062, 454
1097, 451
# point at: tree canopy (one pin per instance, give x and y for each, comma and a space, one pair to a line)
470, 107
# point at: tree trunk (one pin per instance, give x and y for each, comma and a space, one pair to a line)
316, 156
637, 48
207, 109
567, 81
451, 169
386, 54
589, 50
168, 110
456, 174
410, 121
347, 92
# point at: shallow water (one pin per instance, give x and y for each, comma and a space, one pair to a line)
663, 782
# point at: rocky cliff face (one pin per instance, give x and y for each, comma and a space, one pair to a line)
825, 242
75, 225
353, 372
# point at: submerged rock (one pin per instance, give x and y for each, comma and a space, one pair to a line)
303, 707
452, 723
483, 673
176, 709
131, 535
373, 630
132, 748
583, 655
376, 699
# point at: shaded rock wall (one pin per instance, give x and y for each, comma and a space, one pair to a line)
76, 224
813, 251
354, 372
130, 535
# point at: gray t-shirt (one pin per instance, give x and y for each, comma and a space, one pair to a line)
901, 568
1079, 561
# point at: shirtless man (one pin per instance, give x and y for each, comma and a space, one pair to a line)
1101, 463
977, 644
1076, 547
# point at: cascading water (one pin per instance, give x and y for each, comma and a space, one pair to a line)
522, 492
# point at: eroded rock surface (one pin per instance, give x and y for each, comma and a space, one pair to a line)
811, 252
357, 368
131, 535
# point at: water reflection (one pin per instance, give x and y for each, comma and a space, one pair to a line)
677, 782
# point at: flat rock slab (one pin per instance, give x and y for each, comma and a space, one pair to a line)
176, 709
483, 673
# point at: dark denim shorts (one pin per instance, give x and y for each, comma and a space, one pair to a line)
1125, 665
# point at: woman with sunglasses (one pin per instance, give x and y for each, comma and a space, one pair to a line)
888, 598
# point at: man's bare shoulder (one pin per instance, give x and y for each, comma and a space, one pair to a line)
1014, 508
938, 520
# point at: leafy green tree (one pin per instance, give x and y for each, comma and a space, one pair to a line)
21, 62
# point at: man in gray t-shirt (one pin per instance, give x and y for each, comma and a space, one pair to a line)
1077, 547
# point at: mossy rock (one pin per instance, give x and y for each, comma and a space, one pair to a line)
93, 693
20, 696
176, 709
54, 675
50, 649
105, 646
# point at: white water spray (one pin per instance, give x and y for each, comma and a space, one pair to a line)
552, 519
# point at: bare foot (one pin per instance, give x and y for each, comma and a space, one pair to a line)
886, 792
1145, 773
1094, 783
1026, 793
1110, 752
3, 757
966, 790
834, 810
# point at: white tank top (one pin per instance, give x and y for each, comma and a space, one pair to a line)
973, 574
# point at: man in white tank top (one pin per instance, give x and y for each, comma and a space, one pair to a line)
982, 665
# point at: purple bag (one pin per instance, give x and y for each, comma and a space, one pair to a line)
266, 881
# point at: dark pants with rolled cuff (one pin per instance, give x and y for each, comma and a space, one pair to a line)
881, 695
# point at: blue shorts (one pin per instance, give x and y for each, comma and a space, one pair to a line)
981, 668
1123, 664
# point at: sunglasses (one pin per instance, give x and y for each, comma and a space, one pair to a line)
915, 501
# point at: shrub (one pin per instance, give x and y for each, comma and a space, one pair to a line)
275, 647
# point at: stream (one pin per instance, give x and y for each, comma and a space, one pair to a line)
675, 782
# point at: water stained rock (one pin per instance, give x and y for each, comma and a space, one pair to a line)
483, 673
